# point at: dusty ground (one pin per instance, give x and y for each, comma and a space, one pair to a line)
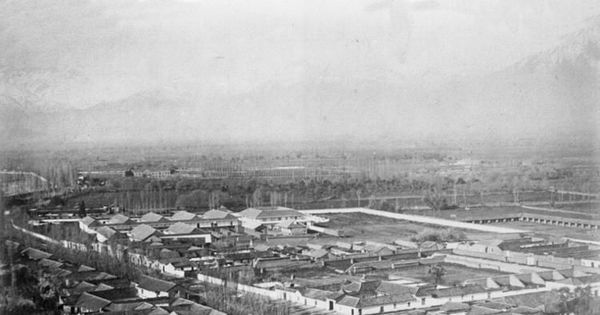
455, 274
363, 227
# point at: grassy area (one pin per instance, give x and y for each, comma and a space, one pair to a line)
455, 274
588, 207
370, 227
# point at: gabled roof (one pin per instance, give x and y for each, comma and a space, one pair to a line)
362, 287
83, 268
103, 287
316, 253
106, 231
119, 219
550, 275
182, 216
218, 214
81, 287
508, 281
158, 311
35, 254
142, 232
50, 263
349, 300
531, 279
91, 302
116, 294
88, 221
270, 212
317, 294
569, 273
152, 217
388, 287
155, 284
180, 228
457, 291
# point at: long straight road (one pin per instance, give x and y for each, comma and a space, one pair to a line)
419, 219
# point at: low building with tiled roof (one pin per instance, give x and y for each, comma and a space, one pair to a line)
89, 303
152, 217
119, 219
182, 216
35, 254
150, 287
143, 233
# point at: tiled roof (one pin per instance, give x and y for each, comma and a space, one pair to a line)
349, 301
87, 220
35, 254
152, 217
142, 232
270, 212
182, 216
119, 219
385, 299
180, 228
155, 285
106, 231
388, 287
158, 311
83, 268
362, 287
319, 294
218, 214
116, 294
457, 291
550, 275
81, 287
91, 302
49, 263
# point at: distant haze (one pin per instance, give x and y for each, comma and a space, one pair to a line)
238, 70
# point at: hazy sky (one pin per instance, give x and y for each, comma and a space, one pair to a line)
304, 68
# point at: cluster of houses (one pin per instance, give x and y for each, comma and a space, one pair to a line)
282, 254
85, 290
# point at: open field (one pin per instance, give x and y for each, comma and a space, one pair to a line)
363, 227
455, 274
588, 207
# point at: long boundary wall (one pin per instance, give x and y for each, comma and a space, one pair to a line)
419, 219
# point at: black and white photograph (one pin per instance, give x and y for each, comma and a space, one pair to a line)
300, 157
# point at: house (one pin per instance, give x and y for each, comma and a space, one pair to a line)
107, 234
182, 216
89, 303
181, 230
144, 233
291, 227
218, 214
152, 217
149, 287
35, 254
270, 215
119, 219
